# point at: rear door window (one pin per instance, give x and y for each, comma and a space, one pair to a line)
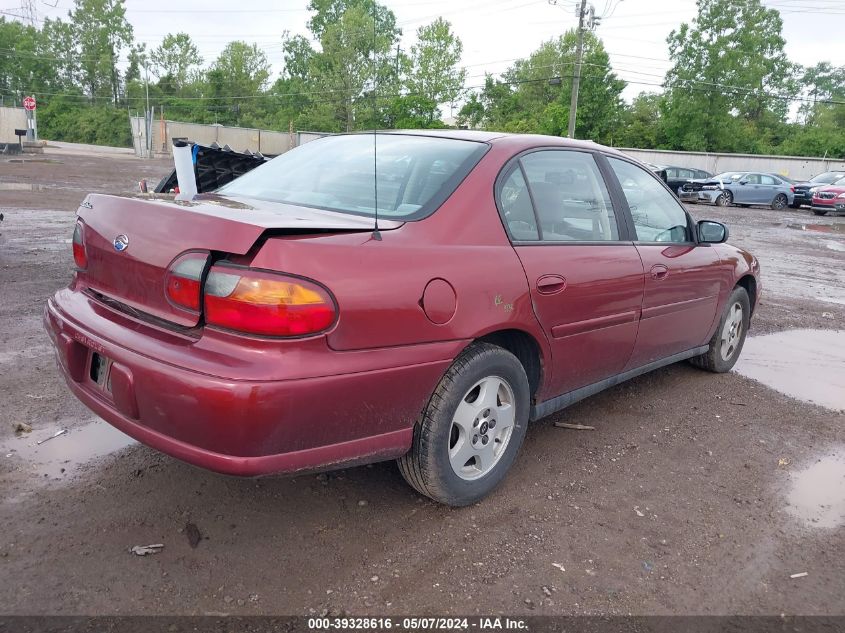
570, 197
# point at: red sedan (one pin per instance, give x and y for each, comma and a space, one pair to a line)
830, 199
269, 327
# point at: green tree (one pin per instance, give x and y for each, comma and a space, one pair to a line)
728, 65
355, 57
435, 74
534, 94
471, 114
101, 32
18, 59
642, 125
175, 58
138, 61
236, 82
57, 46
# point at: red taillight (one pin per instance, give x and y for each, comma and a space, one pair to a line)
184, 279
268, 304
80, 256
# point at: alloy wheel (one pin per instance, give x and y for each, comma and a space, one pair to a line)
481, 428
731, 332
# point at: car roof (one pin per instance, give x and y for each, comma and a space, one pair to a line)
525, 140
463, 135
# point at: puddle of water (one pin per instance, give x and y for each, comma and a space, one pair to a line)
805, 364
49, 161
61, 456
819, 228
20, 186
817, 496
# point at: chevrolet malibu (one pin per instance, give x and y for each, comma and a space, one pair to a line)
326, 309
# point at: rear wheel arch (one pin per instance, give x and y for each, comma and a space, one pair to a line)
527, 350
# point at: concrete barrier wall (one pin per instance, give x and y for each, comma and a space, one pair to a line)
272, 143
307, 137
796, 167
238, 138
11, 119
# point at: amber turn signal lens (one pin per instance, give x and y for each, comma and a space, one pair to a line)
267, 304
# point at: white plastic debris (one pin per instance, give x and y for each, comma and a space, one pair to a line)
143, 550
801, 575
56, 434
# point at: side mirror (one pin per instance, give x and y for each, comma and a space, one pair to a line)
743, 182
710, 232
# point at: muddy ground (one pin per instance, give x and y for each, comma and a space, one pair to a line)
695, 494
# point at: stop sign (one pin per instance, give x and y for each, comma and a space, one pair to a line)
29, 103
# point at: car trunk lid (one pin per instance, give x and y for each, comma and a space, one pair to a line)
131, 242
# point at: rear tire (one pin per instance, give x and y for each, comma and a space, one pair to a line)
780, 202
470, 432
817, 212
725, 346
795, 205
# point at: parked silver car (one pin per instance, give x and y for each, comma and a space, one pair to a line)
744, 188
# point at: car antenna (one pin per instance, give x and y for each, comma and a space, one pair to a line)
376, 232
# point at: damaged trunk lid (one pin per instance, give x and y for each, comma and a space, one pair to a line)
131, 242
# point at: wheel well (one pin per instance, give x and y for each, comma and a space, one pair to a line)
525, 348
750, 284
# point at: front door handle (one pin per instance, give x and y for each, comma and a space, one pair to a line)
659, 272
550, 284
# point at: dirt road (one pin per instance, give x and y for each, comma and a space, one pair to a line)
696, 493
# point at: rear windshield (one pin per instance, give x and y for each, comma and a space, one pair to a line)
729, 175
828, 177
415, 174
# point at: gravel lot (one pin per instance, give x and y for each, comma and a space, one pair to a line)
696, 493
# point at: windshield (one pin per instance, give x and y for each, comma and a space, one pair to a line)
729, 175
827, 178
415, 174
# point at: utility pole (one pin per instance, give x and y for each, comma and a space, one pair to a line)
148, 114
29, 12
576, 78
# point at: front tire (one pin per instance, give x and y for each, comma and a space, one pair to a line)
725, 199
725, 346
470, 432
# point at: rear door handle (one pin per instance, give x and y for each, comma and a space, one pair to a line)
550, 284
659, 272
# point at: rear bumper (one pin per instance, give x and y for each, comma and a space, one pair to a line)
243, 427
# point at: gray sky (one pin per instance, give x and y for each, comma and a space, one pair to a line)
494, 32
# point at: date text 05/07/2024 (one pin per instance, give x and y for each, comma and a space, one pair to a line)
417, 624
